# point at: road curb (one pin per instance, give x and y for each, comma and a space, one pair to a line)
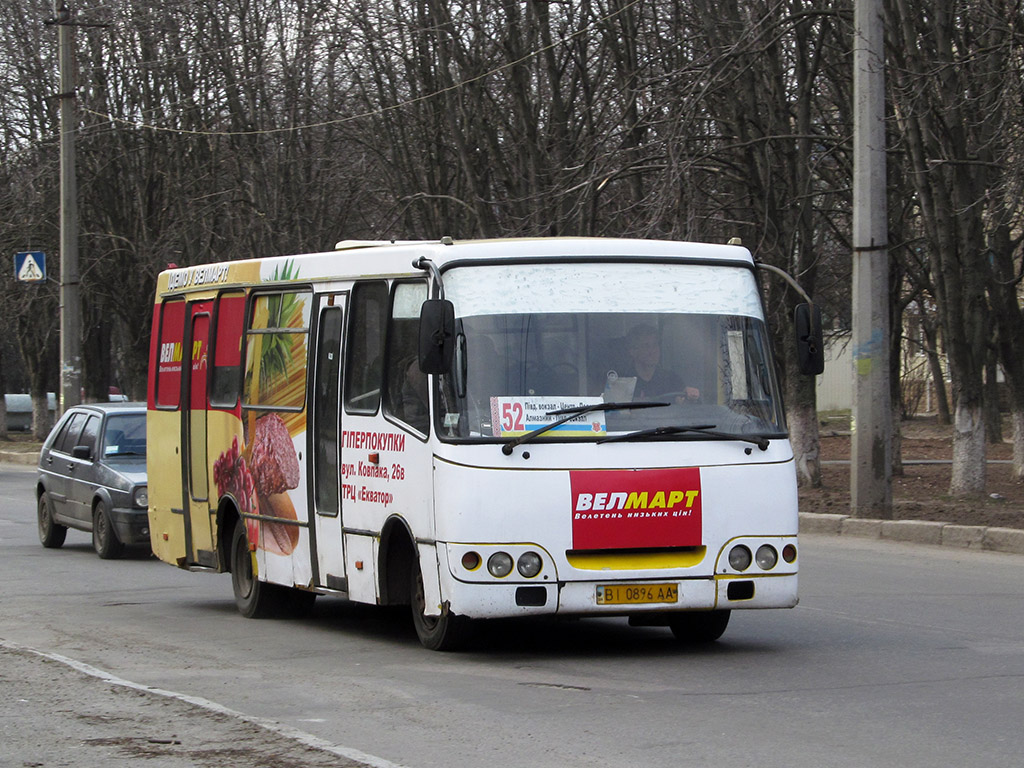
15, 457
1010, 540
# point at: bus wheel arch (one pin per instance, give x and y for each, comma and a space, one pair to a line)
444, 632
255, 599
401, 583
227, 519
397, 557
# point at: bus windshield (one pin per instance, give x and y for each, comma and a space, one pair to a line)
538, 338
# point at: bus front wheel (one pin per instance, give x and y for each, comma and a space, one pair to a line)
699, 626
255, 599
446, 632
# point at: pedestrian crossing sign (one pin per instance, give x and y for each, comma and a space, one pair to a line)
30, 266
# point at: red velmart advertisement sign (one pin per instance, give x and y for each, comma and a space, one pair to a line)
636, 509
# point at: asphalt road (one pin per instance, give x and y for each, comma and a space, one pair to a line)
898, 655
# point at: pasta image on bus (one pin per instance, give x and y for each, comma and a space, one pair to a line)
478, 429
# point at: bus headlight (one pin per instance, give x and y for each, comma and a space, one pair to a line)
766, 557
739, 558
140, 497
529, 564
499, 564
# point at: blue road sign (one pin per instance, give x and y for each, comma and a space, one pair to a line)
30, 266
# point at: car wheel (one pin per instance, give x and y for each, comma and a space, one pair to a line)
699, 627
255, 599
446, 632
51, 534
104, 537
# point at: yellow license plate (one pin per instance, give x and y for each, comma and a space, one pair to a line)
634, 594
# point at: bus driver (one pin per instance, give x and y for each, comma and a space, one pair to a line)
652, 379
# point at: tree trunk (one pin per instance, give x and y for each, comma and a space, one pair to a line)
968, 450
40, 414
993, 418
896, 444
939, 382
806, 441
897, 305
3, 399
1009, 320
1018, 446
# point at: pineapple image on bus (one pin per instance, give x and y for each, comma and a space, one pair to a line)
478, 429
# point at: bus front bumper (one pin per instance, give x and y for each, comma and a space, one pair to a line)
581, 598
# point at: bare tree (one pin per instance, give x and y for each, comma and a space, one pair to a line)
948, 80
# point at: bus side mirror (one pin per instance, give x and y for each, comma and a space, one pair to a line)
437, 336
809, 347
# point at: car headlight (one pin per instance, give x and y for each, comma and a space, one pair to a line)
140, 496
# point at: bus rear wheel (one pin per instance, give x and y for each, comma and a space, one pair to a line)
255, 599
446, 632
699, 627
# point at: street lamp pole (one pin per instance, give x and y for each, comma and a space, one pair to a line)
871, 444
70, 289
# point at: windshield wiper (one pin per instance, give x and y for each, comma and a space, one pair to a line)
704, 429
568, 414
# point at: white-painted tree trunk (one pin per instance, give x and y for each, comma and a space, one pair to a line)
968, 451
40, 416
803, 435
1018, 446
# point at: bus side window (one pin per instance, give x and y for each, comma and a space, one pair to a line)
227, 350
405, 394
275, 358
169, 354
364, 366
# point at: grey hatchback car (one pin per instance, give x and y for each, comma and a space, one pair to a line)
92, 477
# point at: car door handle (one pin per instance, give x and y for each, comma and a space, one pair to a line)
71, 467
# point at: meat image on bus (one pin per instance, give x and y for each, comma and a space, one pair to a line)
478, 429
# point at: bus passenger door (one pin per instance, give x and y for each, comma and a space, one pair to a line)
196, 470
325, 449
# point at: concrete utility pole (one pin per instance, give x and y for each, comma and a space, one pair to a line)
871, 446
70, 290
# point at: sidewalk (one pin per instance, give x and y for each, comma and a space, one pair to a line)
1009, 540
55, 712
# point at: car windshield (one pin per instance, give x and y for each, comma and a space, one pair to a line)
533, 339
125, 435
